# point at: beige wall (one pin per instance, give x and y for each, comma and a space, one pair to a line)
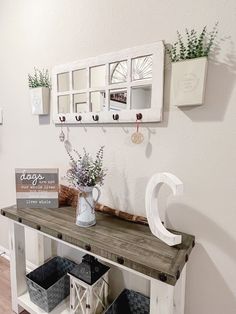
198, 145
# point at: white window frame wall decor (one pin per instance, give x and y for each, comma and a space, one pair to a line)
152, 114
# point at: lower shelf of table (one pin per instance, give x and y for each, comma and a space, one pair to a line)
24, 301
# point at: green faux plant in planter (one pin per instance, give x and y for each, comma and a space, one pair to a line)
39, 84
40, 78
194, 45
189, 56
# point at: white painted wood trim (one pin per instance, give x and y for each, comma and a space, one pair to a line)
161, 298
44, 250
4, 253
179, 293
166, 299
17, 263
24, 302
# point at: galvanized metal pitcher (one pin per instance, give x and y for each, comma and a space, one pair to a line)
85, 213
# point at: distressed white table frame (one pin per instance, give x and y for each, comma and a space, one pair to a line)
165, 299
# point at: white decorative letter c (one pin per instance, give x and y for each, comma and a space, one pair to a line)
152, 211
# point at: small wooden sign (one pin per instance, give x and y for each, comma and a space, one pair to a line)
37, 188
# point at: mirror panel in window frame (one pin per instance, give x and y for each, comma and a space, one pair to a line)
129, 81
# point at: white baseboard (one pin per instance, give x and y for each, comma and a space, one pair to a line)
30, 266
5, 253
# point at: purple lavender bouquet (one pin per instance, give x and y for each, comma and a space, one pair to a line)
85, 170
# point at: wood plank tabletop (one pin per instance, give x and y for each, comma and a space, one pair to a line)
123, 242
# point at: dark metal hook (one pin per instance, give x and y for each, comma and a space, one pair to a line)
139, 116
95, 117
116, 117
78, 118
62, 118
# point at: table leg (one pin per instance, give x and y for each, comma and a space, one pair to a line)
167, 299
179, 293
161, 298
44, 250
17, 263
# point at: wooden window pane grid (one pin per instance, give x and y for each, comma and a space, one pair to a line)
109, 86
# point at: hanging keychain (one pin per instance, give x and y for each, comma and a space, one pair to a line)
62, 134
137, 137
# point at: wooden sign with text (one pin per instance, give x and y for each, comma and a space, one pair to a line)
37, 188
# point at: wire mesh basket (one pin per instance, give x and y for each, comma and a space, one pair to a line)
130, 302
49, 284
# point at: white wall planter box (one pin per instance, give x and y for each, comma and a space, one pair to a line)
40, 100
188, 81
